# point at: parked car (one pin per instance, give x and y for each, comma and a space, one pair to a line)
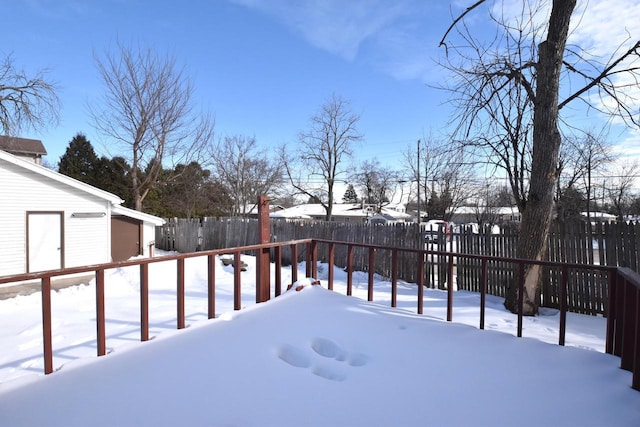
434, 229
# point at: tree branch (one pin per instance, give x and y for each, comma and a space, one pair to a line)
453, 24
597, 80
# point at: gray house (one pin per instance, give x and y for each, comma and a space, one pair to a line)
28, 149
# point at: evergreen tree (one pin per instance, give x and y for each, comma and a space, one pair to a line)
187, 191
112, 175
438, 206
350, 196
571, 202
79, 161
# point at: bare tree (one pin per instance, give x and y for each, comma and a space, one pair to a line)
620, 188
580, 157
25, 101
319, 161
245, 171
494, 119
538, 67
440, 174
148, 110
486, 205
376, 182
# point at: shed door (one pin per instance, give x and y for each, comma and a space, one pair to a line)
126, 238
44, 241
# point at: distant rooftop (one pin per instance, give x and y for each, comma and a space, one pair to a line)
15, 145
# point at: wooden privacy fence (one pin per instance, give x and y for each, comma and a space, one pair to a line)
193, 235
609, 244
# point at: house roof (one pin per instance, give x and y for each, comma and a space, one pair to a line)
253, 209
58, 177
383, 216
317, 210
121, 210
599, 215
339, 210
17, 145
66, 180
472, 210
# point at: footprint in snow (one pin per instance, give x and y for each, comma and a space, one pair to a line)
331, 367
293, 356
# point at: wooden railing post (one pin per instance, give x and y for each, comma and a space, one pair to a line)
420, 282
611, 313
619, 317
263, 278
144, 302
278, 261
629, 319
180, 294
237, 269
483, 291
47, 341
312, 259
635, 380
520, 296
332, 254
294, 263
394, 277
450, 289
564, 278
211, 287
101, 335
372, 270
350, 270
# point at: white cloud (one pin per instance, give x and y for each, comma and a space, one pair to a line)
598, 26
401, 37
601, 26
629, 147
603, 30
400, 53
393, 37
606, 29
333, 25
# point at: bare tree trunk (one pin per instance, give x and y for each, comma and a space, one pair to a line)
329, 207
536, 218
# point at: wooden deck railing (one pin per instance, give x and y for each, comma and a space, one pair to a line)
623, 320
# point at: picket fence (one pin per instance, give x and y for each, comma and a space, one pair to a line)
608, 244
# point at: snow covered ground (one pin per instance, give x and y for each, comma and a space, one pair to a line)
308, 358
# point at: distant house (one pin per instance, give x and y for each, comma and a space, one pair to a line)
599, 216
50, 221
252, 210
342, 212
469, 214
28, 149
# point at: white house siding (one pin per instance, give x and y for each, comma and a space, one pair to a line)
86, 240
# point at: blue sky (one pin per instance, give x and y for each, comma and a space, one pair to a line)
262, 67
